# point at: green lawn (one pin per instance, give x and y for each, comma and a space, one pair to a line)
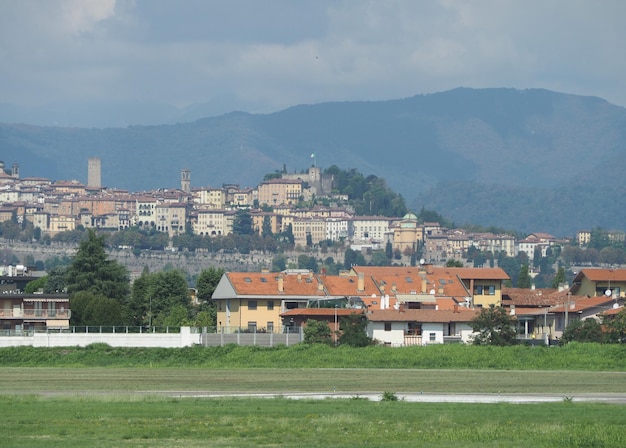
148, 380
156, 421
102, 396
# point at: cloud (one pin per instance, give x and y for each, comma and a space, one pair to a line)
265, 56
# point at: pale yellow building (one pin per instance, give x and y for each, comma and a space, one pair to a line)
305, 227
280, 192
213, 222
61, 223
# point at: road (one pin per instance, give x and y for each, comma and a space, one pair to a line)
420, 397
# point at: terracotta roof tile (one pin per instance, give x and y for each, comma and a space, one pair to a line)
260, 283
597, 274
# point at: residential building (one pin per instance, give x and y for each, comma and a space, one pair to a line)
213, 222
420, 326
599, 282
280, 192
368, 229
308, 228
254, 301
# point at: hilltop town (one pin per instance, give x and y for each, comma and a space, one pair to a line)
304, 208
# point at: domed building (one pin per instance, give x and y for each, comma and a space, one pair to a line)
407, 233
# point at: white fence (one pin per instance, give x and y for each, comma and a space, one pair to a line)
130, 337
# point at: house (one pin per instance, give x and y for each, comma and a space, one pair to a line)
468, 286
21, 312
254, 301
280, 191
297, 318
28, 312
584, 308
420, 326
596, 282
532, 309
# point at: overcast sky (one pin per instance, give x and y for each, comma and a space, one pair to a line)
266, 55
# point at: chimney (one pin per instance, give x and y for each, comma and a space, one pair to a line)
360, 285
281, 285
423, 286
299, 277
382, 289
456, 307
393, 287
320, 286
512, 310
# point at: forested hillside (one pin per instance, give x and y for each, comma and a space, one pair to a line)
531, 160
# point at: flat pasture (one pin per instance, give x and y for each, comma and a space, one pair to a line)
163, 407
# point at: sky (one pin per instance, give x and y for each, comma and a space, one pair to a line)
264, 56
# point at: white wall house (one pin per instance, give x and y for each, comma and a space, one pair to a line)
420, 326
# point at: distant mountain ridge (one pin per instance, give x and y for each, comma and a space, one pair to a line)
531, 160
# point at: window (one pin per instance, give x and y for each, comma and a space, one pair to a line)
270, 327
490, 290
478, 289
252, 305
270, 305
387, 326
252, 327
432, 337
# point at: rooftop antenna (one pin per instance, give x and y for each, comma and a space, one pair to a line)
313, 157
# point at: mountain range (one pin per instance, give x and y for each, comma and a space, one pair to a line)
527, 160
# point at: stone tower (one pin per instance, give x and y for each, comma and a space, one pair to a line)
15, 171
185, 180
94, 168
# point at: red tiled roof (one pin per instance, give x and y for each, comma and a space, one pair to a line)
535, 297
597, 274
585, 304
261, 283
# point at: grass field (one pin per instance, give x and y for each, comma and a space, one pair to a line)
100, 396
168, 422
163, 379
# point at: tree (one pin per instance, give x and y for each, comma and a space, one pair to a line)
89, 309
307, 262
451, 263
92, 271
588, 330
379, 258
157, 295
242, 224
616, 327
35, 285
494, 327
317, 332
267, 226
353, 331
205, 285
279, 263
352, 258
559, 278
207, 282
56, 280
523, 280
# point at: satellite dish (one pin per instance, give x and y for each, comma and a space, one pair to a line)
432, 291
615, 306
422, 261
608, 293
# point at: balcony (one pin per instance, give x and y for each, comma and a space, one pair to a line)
35, 314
